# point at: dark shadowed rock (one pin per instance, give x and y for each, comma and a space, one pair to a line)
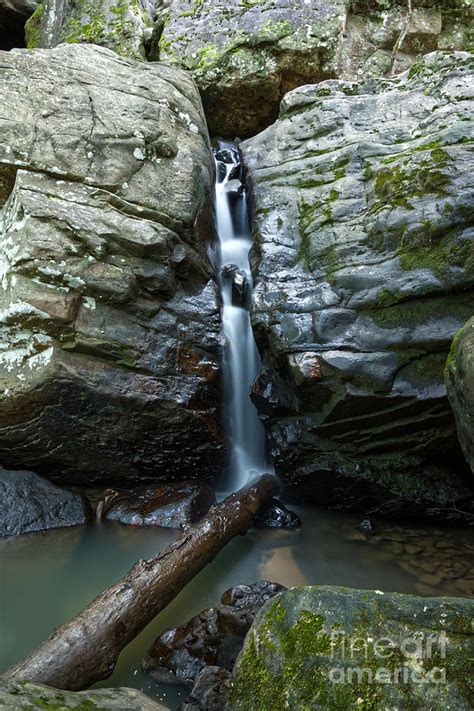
363, 212
29, 503
253, 595
212, 638
277, 516
210, 690
366, 527
110, 344
13, 14
459, 377
168, 505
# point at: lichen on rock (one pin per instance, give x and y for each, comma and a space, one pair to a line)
120, 25
245, 55
339, 648
364, 273
110, 336
25, 696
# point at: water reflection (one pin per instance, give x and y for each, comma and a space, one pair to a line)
46, 578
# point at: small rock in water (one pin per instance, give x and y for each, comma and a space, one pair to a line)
239, 283
253, 595
277, 516
227, 155
168, 505
214, 637
366, 526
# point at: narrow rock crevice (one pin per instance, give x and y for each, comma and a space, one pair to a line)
12, 29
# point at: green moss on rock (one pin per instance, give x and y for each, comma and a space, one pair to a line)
338, 648
33, 28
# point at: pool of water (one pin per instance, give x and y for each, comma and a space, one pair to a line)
46, 578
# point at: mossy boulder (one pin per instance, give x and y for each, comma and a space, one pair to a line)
25, 696
120, 25
337, 648
460, 385
364, 272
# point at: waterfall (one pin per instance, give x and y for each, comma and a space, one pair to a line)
245, 431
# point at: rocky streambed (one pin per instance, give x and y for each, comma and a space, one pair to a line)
357, 127
50, 576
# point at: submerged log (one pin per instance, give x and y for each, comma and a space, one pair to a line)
85, 650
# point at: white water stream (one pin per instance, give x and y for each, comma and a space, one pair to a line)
246, 433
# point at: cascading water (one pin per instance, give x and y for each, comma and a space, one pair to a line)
241, 361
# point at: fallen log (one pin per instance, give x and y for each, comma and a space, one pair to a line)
85, 650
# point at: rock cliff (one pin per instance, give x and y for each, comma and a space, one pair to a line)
245, 54
364, 273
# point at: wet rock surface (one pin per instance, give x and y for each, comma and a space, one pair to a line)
440, 560
212, 638
364, 274
239, 283
459, 377
210, 690
167, 505
29, 503
245, 56
298, 645
19, 695
277, 516
111, 340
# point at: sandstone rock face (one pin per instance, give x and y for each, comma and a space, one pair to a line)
19, 695
246, 55
29, 503
110, 329
120, 25
364, 273
460, 384
328, 647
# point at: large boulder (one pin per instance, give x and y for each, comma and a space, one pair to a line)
364, 272
110, 336
25, 696
244, 55
338, 648
29, 503
460, 384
